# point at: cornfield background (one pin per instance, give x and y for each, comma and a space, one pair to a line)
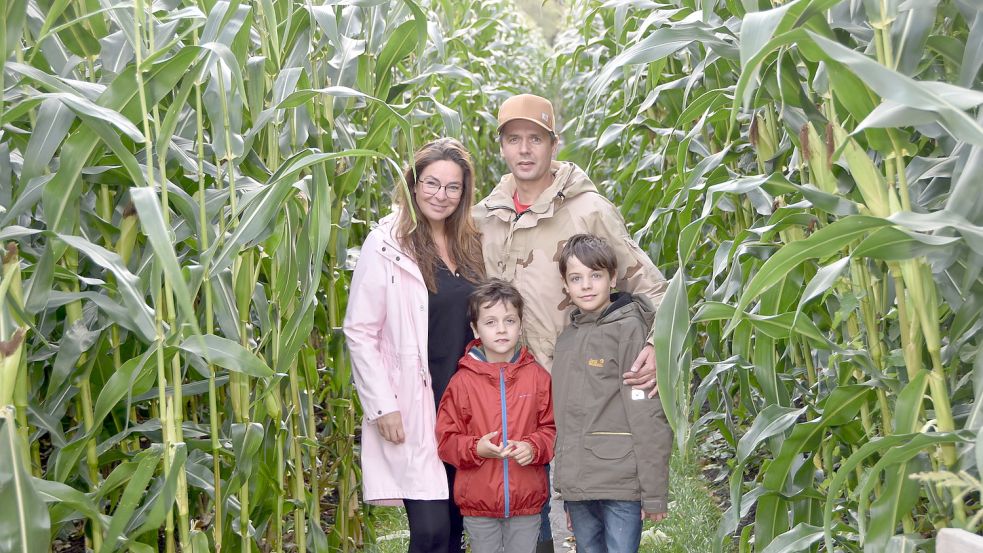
182, 183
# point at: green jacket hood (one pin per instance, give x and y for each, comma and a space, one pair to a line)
623, 305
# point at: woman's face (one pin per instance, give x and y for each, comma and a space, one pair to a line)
439, 188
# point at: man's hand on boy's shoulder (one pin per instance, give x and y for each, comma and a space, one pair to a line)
643, 374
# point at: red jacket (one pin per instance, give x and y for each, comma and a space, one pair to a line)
472, 407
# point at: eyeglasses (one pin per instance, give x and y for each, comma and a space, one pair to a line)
453, 190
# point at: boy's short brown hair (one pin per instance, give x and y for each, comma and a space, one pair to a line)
592, 250
489, 293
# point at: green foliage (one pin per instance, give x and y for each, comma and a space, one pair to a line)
549, 15
784, 161
24, 527
181, 183
693, 513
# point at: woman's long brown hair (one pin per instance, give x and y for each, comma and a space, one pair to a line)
463, 238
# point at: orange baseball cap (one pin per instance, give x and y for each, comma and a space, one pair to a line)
530, 107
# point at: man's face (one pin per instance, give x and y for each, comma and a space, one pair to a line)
528, 150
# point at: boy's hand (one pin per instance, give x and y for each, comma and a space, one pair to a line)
654, 517
642, 374
390, 426
522, 452
487, 449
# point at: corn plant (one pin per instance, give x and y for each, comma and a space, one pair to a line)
180, 183
806, 172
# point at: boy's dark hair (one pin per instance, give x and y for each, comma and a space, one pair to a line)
489, 293
592, 250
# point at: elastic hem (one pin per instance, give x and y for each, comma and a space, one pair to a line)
600, 495
500, 514
655, 505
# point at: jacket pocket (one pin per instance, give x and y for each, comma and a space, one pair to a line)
394, 370
394, 460
411, 368
609, 445
613, 468
462, 485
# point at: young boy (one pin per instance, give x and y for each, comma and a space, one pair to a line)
613, 442
495, 424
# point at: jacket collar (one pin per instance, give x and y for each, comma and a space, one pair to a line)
390, 248
476, 362
569, 180
388, 227
478, 352
622, 303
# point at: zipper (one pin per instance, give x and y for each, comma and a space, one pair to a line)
512, 226
505, 436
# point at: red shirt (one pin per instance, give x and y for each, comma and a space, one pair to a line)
519, 208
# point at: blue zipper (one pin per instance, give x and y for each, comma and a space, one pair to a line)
505, 436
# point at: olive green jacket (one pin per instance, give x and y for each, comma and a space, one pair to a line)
612, 442
524, 249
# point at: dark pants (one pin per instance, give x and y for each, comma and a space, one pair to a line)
545, 530
436, 526
606, 525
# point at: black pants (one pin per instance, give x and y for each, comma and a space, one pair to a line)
436, 526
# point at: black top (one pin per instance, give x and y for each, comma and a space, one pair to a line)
449, 331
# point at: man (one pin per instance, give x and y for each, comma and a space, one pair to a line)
528, 217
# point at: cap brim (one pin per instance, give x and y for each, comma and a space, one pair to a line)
531, 120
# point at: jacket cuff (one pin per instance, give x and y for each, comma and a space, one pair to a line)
379, 408
543, 455
655, 506
476, 460
535, 450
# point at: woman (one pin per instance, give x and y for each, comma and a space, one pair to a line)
406, 327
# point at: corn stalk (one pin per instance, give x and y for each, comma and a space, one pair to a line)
787, 171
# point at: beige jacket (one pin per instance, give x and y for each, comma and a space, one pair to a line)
524, 249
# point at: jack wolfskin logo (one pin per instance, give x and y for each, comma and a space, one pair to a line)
595, 362
546, 117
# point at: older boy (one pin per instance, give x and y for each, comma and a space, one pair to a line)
613, 442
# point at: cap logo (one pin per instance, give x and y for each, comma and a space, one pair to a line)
545, 116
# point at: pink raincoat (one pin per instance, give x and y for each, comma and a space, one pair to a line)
386, 331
